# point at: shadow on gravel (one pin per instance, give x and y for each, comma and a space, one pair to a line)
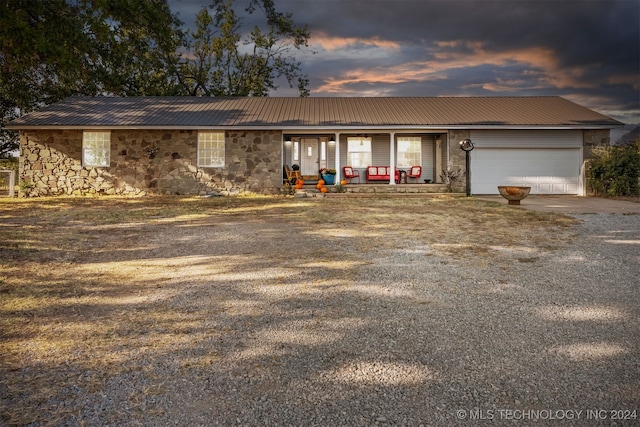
412, 312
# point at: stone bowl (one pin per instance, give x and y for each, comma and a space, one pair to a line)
513, 194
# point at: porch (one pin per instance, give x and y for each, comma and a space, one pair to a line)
375, 189
397, 151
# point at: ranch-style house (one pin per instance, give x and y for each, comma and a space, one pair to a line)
190, 145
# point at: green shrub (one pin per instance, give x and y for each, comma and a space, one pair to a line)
11, 163
614, 170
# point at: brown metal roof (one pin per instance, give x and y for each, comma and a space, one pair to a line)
313, 113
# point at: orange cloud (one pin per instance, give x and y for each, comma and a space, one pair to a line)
380, 75
334, 43
543, 60
542, 66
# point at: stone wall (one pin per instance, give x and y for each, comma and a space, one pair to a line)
148, 161
457, 159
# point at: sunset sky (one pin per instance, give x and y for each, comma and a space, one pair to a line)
587, 51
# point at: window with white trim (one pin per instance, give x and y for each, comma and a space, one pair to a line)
409, 151
211, 149
96, 148
358, 151
296, 150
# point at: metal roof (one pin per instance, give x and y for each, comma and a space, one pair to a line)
313, 113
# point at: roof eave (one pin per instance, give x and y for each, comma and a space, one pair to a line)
336, 128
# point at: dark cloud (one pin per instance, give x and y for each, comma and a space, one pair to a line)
585, 50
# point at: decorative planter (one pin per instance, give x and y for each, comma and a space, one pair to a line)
329, 178
513, 194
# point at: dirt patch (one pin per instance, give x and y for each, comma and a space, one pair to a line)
89, 285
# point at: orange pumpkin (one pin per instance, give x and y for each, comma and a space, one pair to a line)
343, 182
323, 190
319, 186
321, 182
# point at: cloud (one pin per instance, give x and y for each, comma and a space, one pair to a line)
532, 68
332, 43
587, 51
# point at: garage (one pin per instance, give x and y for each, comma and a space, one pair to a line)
548, 161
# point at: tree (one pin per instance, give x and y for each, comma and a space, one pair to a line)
614, 170
56, 48
223, 63
9, 140
35, 39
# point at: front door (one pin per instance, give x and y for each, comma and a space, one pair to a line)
309, 158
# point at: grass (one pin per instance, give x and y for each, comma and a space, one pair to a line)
88, 284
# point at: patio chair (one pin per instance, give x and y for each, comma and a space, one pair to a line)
350, 173
414, 173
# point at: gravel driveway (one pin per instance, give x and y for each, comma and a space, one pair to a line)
407, 336
409, 342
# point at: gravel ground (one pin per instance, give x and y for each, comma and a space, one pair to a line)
406, 336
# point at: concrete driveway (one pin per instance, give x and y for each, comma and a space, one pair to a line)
573, 204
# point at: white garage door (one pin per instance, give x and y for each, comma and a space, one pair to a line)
506, 158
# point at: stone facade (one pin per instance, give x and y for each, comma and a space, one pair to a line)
148, 161
457, 160
165, 162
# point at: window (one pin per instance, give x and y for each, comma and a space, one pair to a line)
96, 148
358, 152
296, 151
211, 149
409, 151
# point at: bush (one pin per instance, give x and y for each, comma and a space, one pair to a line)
614, 170
450, 177
10, 163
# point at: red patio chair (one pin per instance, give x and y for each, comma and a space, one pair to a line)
350, 173
415, 173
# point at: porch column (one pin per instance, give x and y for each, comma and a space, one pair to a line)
392, 158
337, 160
438, 160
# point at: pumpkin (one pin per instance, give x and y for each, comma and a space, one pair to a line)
343, 182
319, 186
299, 184
323, 189
321, 182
